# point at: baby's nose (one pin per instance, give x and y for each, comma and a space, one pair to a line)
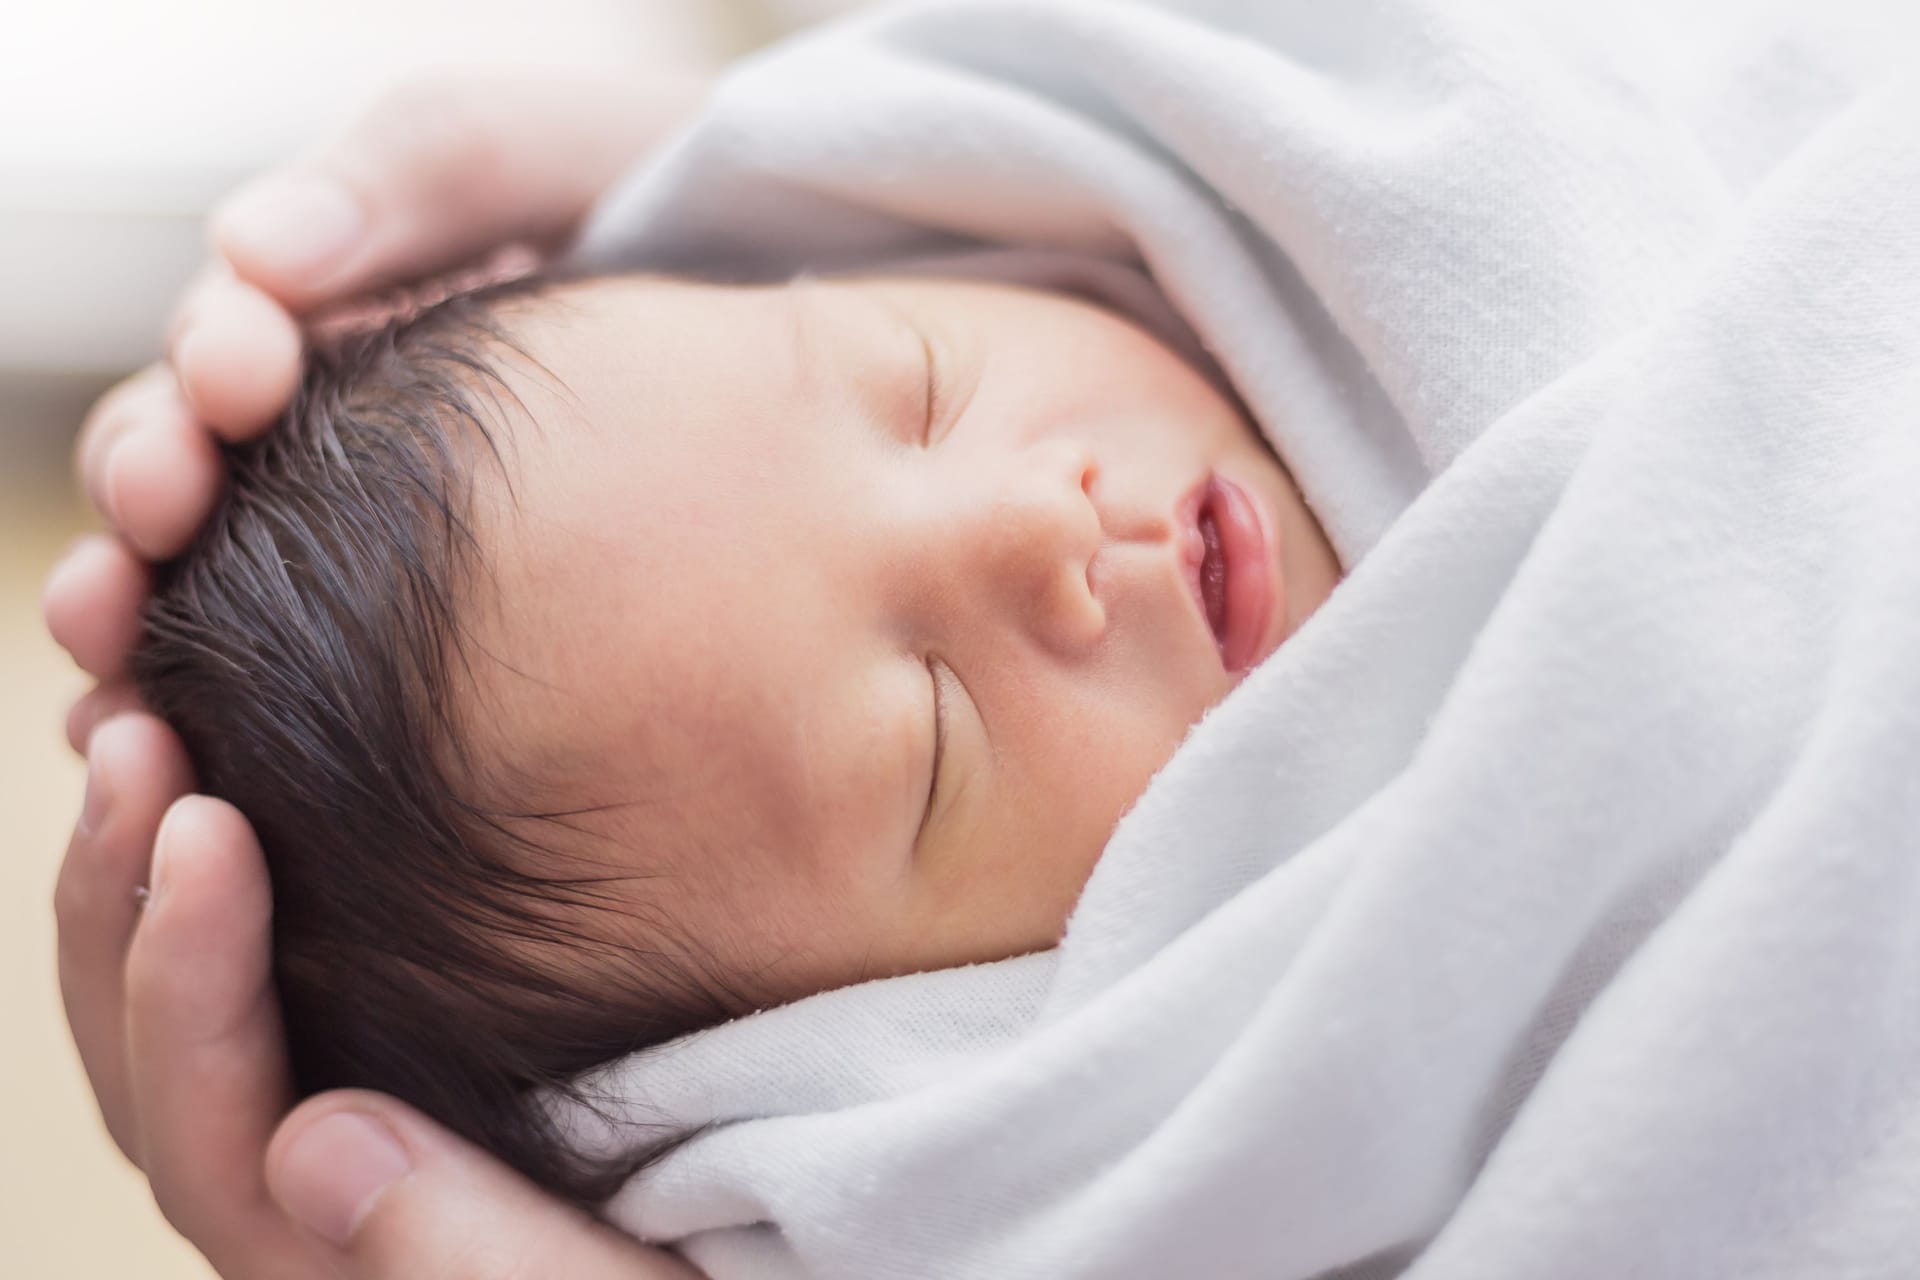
1039, 536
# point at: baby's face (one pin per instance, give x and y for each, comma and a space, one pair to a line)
847, 618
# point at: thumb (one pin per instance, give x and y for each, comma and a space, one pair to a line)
402, 1199
440, 173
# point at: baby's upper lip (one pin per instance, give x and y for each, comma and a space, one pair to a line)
1190, 547
1248, 565
1243, 545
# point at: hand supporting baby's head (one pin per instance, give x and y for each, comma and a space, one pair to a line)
600, 661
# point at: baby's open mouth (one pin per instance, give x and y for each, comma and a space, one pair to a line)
1213, 574
1227, 563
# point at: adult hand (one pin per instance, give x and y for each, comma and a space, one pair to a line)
172, 1008
434, 177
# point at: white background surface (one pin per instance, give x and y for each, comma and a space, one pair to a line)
124, 119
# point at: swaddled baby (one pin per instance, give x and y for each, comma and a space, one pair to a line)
600, 661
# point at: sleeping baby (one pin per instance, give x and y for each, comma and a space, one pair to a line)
604, 659
868, 774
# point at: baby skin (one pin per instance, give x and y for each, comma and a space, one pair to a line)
858, 612
601, 660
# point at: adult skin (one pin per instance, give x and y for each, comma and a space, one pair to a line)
171, 1005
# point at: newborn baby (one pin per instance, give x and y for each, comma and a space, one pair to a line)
603, 660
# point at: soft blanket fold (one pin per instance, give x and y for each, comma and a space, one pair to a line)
1550, 905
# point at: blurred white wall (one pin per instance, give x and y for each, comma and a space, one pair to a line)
121, 120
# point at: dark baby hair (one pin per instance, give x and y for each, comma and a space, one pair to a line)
306, 648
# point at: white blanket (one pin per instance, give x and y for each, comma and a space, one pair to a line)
1550, 905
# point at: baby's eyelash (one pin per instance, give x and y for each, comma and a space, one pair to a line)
934, 398
939, 744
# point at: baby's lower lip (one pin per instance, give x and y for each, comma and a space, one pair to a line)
1229, 569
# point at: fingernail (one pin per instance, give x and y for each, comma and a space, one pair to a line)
184, 356
299, 224
60, 578
93, 808
109, 495
330, 1177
